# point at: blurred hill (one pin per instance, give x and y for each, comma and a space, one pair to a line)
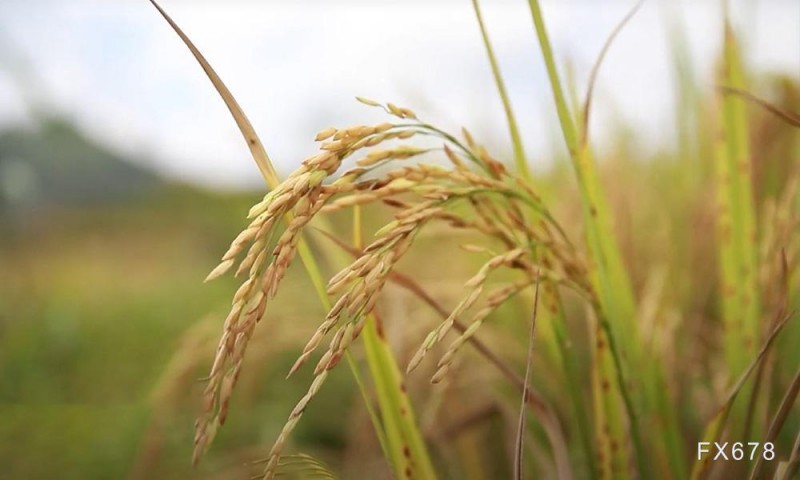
55, 164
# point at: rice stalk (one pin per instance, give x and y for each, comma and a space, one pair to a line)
516, 140
737, 237
408, 451
587, 102
405, 443
793, 464
518, 451
740, 291
553, 326
790, 118
778, 420
617, 310
655, 402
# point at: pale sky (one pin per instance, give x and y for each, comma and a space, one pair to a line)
116, 68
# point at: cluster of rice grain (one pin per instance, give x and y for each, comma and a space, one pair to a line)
503, 209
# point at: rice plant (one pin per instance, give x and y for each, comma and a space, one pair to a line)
614, 405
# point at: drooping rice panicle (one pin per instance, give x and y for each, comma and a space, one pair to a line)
421, 194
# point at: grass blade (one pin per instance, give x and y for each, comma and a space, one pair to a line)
406, 443
670, 435
793, 465
587, 101
518, 460
245, 127
736, 222
607, 271
737, 236
257, 150
792, 119
554, 326
778, 420
516, 141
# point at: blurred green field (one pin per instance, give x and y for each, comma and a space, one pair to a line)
95, 302
106, 331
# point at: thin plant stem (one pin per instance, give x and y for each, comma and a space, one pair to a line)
516, 140
616, 310
404, 441
519, 461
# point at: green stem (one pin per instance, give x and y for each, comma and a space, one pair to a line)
608, 274
572, 373
516, 140
404, 441
409, 452
736, 227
